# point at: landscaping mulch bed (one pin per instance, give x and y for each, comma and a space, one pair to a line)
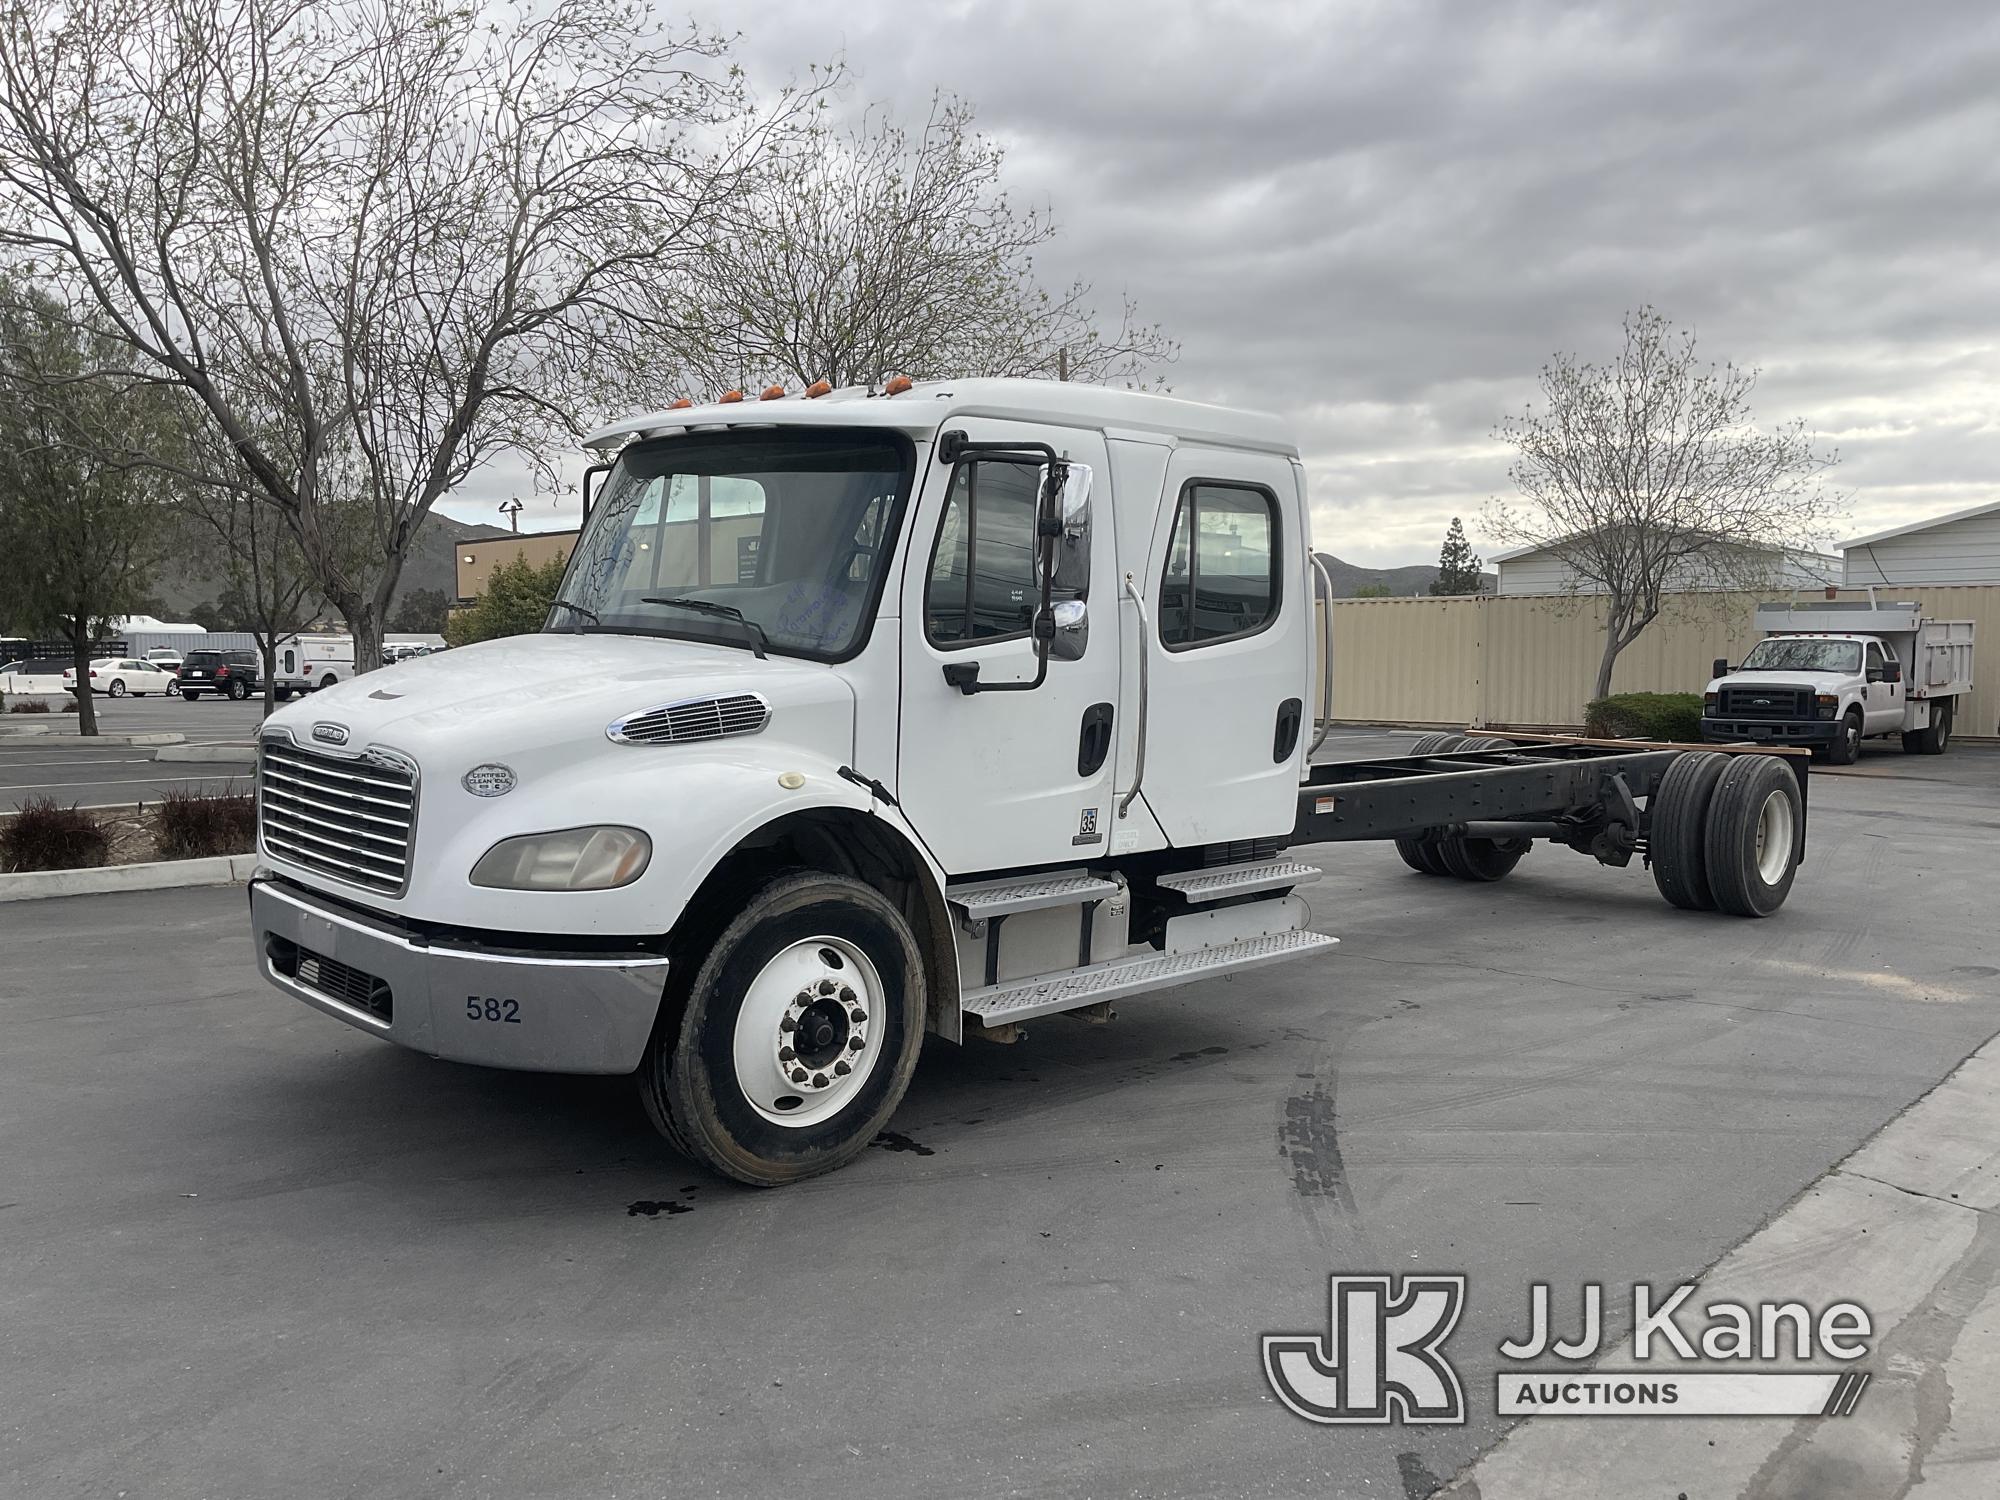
133, 834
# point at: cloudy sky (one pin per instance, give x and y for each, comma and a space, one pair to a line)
1380, 218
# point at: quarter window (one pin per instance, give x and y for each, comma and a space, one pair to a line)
1221, 578
983, 585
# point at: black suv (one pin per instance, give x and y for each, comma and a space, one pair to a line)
227, 674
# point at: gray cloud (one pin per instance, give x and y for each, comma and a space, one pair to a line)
1381, 219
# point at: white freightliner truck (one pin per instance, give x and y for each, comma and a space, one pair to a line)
864, 714
1828, 674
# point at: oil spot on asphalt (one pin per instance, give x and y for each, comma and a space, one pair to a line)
895, 1140
1197, 1056
1418, 1481
1307, 1140
652, 1208
1977, 971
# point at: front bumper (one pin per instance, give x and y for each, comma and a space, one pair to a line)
1786, 732
545, 1012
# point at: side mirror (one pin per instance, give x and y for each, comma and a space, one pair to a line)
1719, 667
1892, 671
1072, 637
1072, 571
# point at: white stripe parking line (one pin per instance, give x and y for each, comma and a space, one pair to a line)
126, 760
43, 786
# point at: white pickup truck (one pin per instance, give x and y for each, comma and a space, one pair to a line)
1832, 673
864, 714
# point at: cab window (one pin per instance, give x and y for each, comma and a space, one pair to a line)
1874, 657
1221, 578
982, 583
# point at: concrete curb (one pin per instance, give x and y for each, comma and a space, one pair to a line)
237, 754
24, 732
225, 869
51, 737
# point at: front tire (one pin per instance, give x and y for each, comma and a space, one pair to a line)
817, 973
1846, 747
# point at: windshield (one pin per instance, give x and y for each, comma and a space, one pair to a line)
790, 528
1796, 655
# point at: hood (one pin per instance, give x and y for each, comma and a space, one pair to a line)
1780, 678
527, 693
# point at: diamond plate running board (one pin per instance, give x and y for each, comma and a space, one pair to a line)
999, 898
1023, 999
1237, 880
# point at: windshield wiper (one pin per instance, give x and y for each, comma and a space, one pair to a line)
758, 640
588, 614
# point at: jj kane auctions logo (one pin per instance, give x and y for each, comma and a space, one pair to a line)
1382, 1359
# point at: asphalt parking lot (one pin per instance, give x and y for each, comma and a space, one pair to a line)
250, 1252
109, 775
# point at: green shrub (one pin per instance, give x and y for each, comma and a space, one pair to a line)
43, 836
1645, 716
199, 825
29, 706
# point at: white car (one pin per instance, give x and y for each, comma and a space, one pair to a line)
119, 675
165, 658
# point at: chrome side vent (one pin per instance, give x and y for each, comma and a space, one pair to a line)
692, 719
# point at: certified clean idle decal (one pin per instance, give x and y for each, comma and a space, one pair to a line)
1382, 1359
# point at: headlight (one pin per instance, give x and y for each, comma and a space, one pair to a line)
573, 859
1825, 704
1708, 702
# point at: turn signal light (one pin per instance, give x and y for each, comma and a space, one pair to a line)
729, 398
818, 388
772, 393
897, 385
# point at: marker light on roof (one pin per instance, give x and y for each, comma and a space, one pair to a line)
818, 388
680, 405
729, 398
897, 385
772, 393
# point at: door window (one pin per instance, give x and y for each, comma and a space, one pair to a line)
1221, 579
982, 583
1874, 659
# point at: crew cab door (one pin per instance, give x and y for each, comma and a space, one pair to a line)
998, 779
1228, 648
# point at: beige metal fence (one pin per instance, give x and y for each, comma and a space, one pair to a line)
1528, 661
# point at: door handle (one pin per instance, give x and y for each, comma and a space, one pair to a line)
1286, 738
1094, 742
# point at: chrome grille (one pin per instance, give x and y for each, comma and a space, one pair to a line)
350, 817
693, 719
1767, 702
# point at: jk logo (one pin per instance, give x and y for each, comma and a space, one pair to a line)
1381, 1361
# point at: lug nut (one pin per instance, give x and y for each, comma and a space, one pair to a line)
827, 986
790, 1023
786, 1054
798, 1075
846, 995
857, 1015
854, 1044
819, 1080
841, 1069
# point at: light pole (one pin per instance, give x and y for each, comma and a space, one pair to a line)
511, 509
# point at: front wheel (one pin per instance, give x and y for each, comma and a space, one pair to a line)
790, 1045
1846, 747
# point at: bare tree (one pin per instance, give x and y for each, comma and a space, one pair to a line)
411, 231
879, 252
1645, 475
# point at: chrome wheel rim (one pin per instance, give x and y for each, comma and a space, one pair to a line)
808, 1034
1775, 830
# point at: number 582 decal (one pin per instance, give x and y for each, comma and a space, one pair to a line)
486, 1008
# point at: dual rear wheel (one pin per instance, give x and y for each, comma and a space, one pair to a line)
1463, 858
1726, 833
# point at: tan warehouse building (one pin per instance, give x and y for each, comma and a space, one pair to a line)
478, 559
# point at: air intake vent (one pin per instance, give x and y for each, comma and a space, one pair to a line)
693, 719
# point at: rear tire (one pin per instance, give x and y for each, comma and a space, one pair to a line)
238, 691
189, 697
1480, 859
1421, 855
1846, 748
716, 1079
1935, 736
1678, 829
1755, 832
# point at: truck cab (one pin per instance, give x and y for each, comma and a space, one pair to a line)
858, 715
1867, 670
